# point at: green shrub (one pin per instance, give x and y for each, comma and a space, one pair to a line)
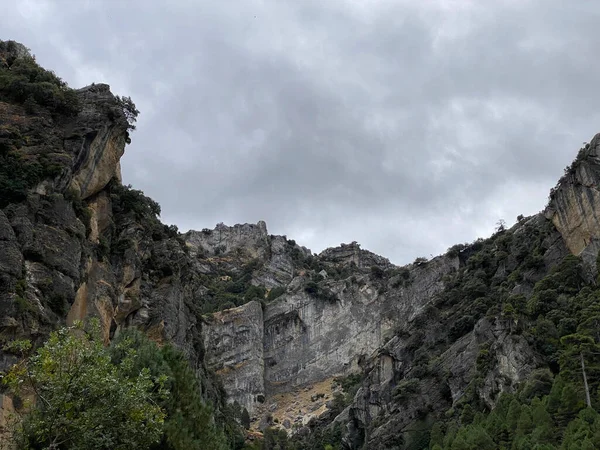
377, 272
276, 292
23, 81
406, 388
461, 327
18, 174
189, 422
84, 400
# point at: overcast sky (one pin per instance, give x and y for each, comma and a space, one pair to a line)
407, 126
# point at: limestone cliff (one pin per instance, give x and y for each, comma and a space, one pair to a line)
74, 242
233, 340
285, 331
573, 206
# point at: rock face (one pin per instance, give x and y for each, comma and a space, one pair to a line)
100, 149
249, 239
303, 339
233, 341
573, 206
308, 339
351, 253
81, 245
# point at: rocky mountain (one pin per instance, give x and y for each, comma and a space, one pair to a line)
342, 346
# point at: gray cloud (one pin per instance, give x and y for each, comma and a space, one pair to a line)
407, 126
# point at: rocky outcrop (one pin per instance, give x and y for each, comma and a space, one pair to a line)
249, 240
233, 341
305, 339
573, 206
98, 149
347, 254
82, 245
279, 269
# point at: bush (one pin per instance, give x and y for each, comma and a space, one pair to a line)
455, 250
127, 200
23, 81
18, 175
406, 388
319, 292
255, 293
461, 327
276, 292
84, 400
189, 422
377, 272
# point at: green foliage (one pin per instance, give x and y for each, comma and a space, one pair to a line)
127, 200
461, 327
255, 293
189, 422
228, 289
83, 399
350, 385
18, 174
129, 110
319, 438
377, 272
456, 250
406, 388
23, 81
274, 293
421, 260
548, 412
540, 424
132, 206
319, 291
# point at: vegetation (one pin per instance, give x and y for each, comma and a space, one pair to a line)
228, 288
320, 292
350, 385
130, 395
189, 422
18, 174
23, 81
82, 399
556, 408
569, 171
276, 292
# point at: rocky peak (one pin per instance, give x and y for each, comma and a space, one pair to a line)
347, 254
12, 51
251, 240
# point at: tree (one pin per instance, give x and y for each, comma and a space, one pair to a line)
500, 226
83, 400
189, 422
578, 344
129, 110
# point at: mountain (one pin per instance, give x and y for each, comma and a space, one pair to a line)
339, 349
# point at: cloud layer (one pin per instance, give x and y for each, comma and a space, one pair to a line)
406, 126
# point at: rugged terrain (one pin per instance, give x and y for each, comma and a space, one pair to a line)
341, 344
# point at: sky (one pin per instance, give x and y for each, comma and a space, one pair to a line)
407, 126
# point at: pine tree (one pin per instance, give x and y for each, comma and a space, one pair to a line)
525, 423
189, 423
437, 435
